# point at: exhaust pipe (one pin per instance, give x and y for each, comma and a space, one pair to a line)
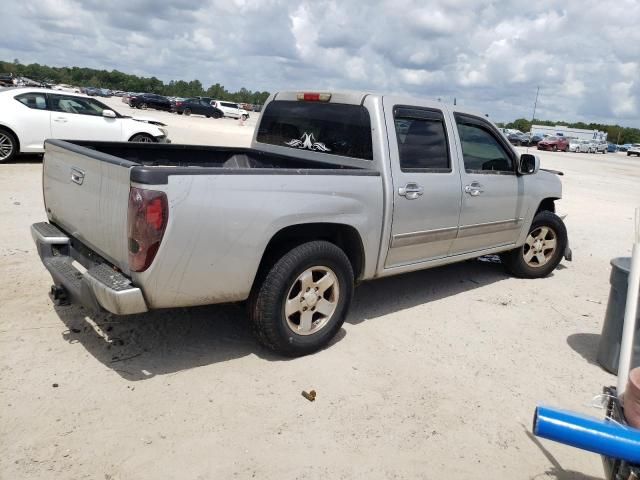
588, 433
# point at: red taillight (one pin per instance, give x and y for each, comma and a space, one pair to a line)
146, 221
178, 104
155, 213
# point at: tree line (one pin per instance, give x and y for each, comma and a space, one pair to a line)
615, 133
116, 80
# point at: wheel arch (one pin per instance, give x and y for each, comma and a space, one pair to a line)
547, 204
141, 133
343, 236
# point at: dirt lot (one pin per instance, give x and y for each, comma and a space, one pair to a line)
435, 375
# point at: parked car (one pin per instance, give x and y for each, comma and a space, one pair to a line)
560, 144
518, 139
634, 150
624, 148
575, 144
535, 138
197, 106
599, 146
149, 100
612, 147
174, 100
230, 109
325, 198
28, 116
580, 146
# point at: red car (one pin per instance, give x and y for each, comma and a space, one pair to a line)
560, 144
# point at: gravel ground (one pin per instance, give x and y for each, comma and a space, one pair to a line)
435, 373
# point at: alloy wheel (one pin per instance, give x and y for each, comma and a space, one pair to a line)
6, 146
540, 247
312, 300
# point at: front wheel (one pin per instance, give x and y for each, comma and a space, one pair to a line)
303, 299
187, 111
542, 251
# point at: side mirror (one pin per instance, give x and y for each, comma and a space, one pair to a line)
109, 113
529, 164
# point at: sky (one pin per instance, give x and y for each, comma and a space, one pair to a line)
491, 56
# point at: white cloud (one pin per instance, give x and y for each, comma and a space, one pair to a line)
491, 56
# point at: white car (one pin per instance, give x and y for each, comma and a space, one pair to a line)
575, 145
580, 146
28, 116
634, 150
230, 109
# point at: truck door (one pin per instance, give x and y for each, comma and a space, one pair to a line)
426, 182
492, 194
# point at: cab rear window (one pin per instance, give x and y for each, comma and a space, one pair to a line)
330, 128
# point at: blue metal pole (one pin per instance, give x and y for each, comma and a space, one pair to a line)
588, 433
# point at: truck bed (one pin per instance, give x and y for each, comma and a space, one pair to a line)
224, 204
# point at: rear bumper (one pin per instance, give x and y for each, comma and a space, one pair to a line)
86, 278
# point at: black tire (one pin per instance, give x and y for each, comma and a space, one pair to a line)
267, 300
208, 116
179, 113
514, 260
143, 106
9, 146
187, 111
245, 118
142, 138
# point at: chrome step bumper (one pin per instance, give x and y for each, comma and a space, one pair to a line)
92, 283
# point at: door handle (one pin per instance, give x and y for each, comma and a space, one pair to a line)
60, 120
411, 191
474, 189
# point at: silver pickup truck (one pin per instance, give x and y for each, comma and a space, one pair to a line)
337, 188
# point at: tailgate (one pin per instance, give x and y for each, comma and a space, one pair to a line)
86, 193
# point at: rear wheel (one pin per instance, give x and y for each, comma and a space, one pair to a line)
142, 138
303, 299
8, 146
143, 106
245, 117
543, 249
187, 111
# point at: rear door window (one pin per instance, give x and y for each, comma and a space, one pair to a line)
422, 140
331, 128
